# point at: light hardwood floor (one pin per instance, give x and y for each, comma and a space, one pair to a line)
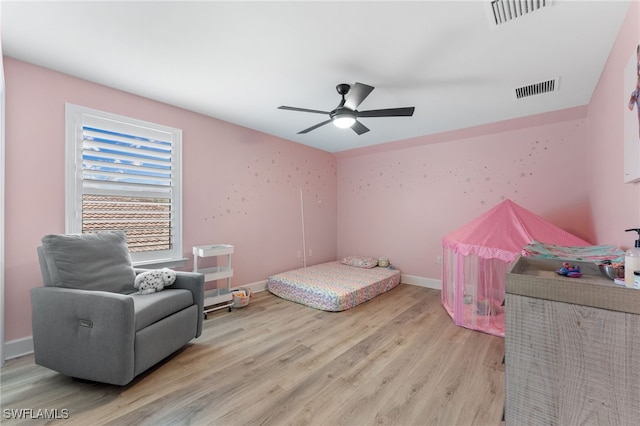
395, 360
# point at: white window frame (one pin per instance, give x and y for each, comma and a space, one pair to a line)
78, 116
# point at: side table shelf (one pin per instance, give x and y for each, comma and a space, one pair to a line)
215, 298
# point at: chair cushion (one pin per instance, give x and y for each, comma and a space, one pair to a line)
153, 307
99, 261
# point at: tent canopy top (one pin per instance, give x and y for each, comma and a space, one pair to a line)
504, 231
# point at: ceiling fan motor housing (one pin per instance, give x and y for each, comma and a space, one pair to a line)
343, 112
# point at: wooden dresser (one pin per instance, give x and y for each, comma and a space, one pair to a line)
572, 347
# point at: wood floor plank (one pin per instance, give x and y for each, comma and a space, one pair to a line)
395, 360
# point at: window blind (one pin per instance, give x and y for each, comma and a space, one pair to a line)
126, 174
127, 185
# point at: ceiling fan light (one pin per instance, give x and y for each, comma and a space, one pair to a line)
344, 120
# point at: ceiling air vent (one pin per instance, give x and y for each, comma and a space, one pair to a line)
537, 89
507, 10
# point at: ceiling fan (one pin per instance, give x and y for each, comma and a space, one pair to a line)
346, 115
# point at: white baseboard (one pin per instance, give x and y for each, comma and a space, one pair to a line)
256, 287
19, 347
421, 281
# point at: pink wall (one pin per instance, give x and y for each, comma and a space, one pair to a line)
615, 205
400, 203
238, 184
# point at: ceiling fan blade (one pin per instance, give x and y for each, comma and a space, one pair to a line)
389, 112
314, 127
289, 108
357, 94
359, 128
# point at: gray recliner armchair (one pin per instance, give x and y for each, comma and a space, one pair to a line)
89, 322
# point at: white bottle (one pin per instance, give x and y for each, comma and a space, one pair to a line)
632, 260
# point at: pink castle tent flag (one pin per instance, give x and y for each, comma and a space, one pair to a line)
478, 255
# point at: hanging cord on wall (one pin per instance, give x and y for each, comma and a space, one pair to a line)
304, 239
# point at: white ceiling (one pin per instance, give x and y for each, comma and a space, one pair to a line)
238, 61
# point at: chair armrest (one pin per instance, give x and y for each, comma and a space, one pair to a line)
80, 332
194, 282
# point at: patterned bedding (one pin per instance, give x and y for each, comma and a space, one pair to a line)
333, 286
595, 254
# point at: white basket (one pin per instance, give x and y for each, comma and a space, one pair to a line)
240, 301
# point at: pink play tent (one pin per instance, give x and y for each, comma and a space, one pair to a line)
477, 256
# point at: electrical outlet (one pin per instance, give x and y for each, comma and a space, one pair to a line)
439, 260
298, 254
310, 252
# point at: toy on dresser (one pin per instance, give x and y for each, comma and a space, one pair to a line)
569, 271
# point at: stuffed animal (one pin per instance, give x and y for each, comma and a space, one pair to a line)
154, 280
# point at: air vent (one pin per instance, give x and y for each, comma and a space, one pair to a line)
537, 89
507, 10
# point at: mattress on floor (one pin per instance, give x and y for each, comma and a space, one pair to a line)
333, 286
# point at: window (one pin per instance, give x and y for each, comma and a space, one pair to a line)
125, 174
